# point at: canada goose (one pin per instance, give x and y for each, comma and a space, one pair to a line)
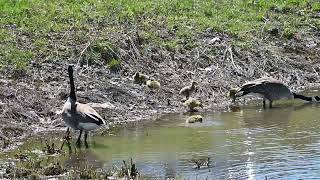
192, 103
194, 119
269, 89
153, 84
79, 116
188, 90
140, 78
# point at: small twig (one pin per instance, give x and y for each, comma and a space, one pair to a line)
81, 53
134, 47
231, 58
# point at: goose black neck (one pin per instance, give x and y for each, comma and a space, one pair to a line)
72, 88
298, 96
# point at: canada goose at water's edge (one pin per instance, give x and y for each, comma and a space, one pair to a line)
269, 89
188, 90
79, 116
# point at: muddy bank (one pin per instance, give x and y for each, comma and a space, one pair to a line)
31, 99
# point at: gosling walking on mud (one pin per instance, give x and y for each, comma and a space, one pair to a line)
188, 90
192, 103
79, 116
269, 89
140, 78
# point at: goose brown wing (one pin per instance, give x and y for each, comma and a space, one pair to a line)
260, 84
88, 114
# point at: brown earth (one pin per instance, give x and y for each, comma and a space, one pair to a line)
30, 101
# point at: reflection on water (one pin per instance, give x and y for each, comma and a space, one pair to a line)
252, 143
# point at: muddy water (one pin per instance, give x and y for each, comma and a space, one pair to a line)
251, 143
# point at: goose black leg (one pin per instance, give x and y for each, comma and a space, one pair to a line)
270, 104
85, 139
79, 141
264, 103
66, 139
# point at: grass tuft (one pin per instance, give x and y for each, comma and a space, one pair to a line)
54, 30
114, 64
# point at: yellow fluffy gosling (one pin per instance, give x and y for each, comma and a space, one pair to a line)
192, 103
153, 84
140, 78
188, 90
194, 119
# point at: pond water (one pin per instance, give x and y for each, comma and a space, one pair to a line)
243, 143
251, 143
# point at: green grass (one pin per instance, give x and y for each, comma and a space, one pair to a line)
114, 64
36, 29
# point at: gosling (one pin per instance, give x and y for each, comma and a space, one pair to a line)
194, 119
140, 78
153, 84
79, 116
188, 90
192, 103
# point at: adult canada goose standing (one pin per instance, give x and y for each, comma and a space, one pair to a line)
79, 116
188, 90
269, 89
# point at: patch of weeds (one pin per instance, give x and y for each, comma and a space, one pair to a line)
31, 163
171, 45
86, 172
101, 50
17, 59
5, 36
13, 172
50, 148
53, 169
129, 171
10, 131
34, 176
41, 43
21, 156
114, 64
288, 33
184, 33
316, 6
147, 36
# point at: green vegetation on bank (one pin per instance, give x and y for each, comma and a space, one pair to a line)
35, 30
